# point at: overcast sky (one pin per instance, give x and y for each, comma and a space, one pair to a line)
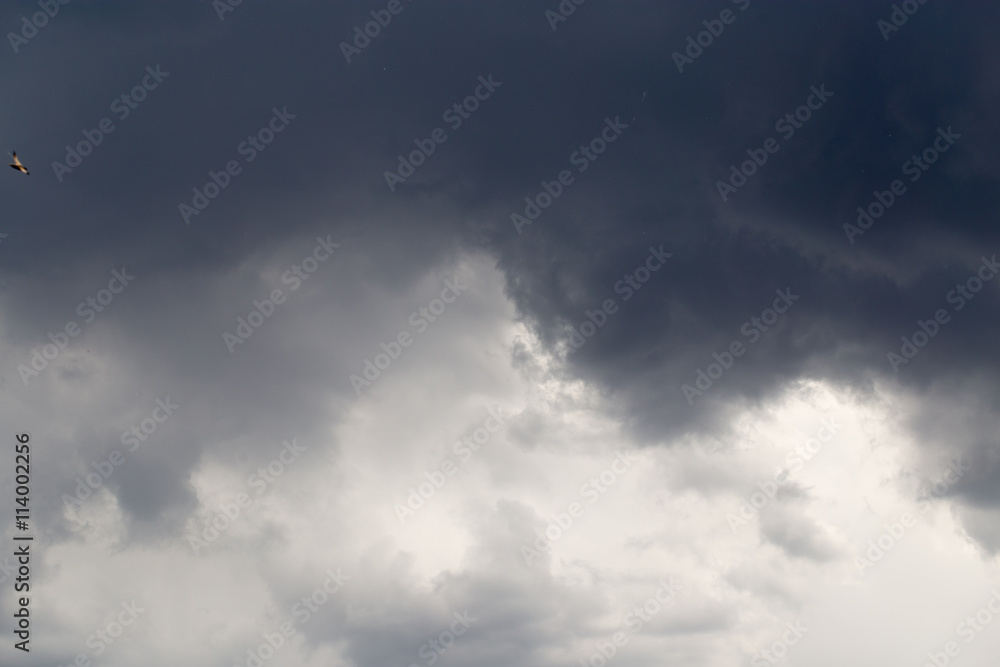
502, 334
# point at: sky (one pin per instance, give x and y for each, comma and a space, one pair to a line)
513, 334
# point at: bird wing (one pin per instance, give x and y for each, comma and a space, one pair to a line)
17, 164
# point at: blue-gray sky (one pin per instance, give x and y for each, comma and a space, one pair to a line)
619, 291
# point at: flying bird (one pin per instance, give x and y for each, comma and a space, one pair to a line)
17, 164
